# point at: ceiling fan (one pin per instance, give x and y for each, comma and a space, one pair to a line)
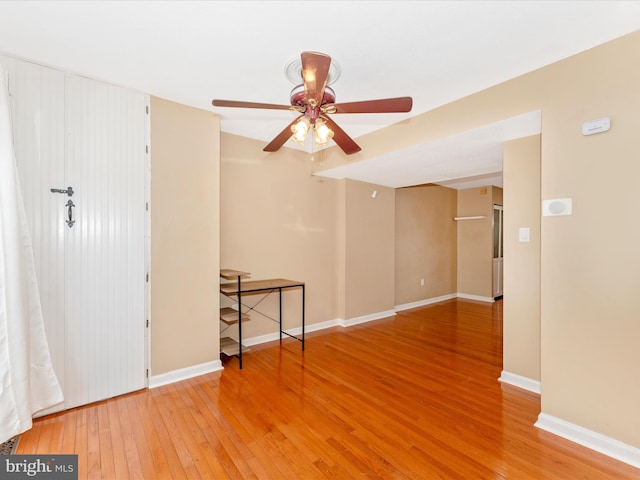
314, 101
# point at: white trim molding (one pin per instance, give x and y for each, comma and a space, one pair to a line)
184, 373
272, 337
470, 217
590, 439
427, 301
479, 298
367, 318
314, 327
519, 381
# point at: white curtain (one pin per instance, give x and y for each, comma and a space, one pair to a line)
28, 383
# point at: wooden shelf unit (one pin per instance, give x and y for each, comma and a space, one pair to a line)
230, 347
230, 316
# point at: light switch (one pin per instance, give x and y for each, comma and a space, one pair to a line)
524, 234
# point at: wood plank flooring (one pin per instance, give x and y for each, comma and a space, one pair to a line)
415, 396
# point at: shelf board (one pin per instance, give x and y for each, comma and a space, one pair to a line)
230, 347
229, 315
230, 274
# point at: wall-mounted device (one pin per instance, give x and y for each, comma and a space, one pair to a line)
596, 126
556, 207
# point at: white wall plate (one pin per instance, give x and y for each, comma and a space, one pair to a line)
598, 125
556, 207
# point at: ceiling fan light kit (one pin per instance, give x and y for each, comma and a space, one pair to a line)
300, 130
314, 100
322, 133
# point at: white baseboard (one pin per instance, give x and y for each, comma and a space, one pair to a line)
520, 381
314, 327
339, 322
590, 439
479, 298
323, 325
427, 301
367, 318
184, 373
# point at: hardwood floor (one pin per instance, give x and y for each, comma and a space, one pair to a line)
410, 397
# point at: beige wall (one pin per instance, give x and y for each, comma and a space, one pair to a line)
184, 236
590, 261
341, 260
369, 247
475, 243
498, 194
426, 243
278, 221
521, 334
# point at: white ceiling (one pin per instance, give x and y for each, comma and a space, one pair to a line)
459, 161
433, 51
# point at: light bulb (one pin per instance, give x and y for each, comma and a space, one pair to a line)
300, 129
321, 132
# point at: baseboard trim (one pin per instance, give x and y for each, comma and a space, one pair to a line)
519, 381
479, 298
367, 318
184, 373
590, 439
338, 322
422, 303
297, 331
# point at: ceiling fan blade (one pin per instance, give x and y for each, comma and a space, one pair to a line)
344, 141
281, 138
315, 71
233, 103
386, 105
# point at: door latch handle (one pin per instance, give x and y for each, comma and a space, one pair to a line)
68, 191
70, 206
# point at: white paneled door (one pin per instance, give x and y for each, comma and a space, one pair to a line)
89, 243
